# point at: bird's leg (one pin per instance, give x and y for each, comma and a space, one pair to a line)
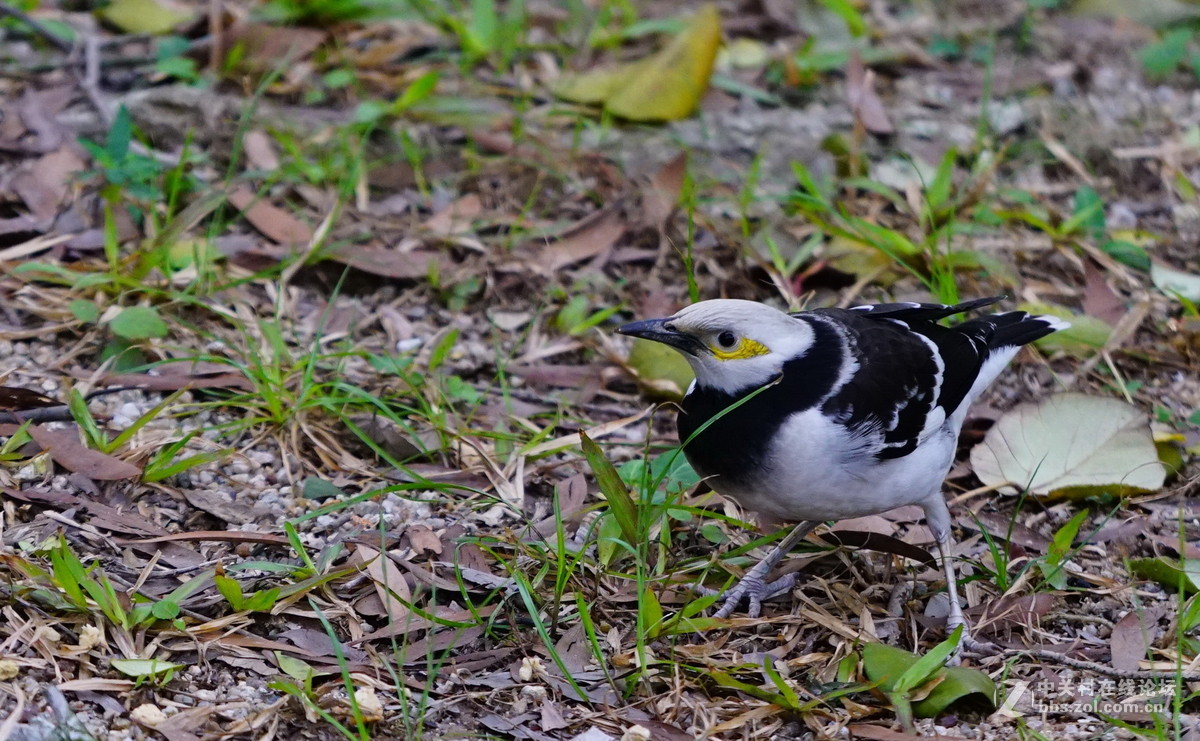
753, 585
956, 617
937, 516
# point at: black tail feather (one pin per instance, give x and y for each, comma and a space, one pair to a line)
923, 312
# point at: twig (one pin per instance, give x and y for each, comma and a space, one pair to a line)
57, 41
89, 81
1099, 668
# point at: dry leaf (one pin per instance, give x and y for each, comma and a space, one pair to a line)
274, 223
43, 184
389, 581
264, 48
260, 151
591, 237
68, 451
1099, 299
864, 101
424, 540
1071, 445
662, 195
391, 262
1132, 637
455, 218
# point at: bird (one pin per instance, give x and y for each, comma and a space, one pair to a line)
831, 413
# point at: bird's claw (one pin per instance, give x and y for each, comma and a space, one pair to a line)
754, 590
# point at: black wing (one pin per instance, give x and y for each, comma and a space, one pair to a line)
913, 373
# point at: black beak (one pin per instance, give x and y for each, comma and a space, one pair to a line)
660, 330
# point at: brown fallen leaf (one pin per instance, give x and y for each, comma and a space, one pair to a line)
1005, 613
877, 542
272, 222
455, 218
389, 582
591, 237
260, 151
17, 399
864, 101
662, 194
43, 184
184, 374
68, 451
391, 262
1132, 636
1099, 299
219, 504
38, 111
423, 540
263, 47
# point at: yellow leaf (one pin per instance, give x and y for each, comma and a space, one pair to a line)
593, 87
143, 16
665, 86
670, 84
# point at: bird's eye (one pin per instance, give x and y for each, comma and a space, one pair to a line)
727, 339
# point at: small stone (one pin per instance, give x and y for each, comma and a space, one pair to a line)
148, 714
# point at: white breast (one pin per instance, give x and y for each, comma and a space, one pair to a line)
817, 471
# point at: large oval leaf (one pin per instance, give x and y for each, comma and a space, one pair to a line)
1071, 445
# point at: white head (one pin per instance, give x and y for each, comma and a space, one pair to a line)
732, 345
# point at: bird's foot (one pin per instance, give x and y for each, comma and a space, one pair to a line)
753, 588
967, 644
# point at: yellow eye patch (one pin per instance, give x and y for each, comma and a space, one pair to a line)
746, 348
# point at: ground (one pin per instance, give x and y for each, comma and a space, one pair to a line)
314, 424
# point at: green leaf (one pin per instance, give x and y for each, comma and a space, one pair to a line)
315, 487
261, 601
143, 16
848, 12
660, 369
898, 672
1089, 213
651, 612
928, 665
939, 188
84, 310
165, 609
420, 89
138, 323
1055, 446
442, 349
1164, 57
120, 134
481, 37
1175, 575
231, 590
293, 667
1127, 253
959, 683
726, 680
1083, 338
612, 488
608, 539
1059, 549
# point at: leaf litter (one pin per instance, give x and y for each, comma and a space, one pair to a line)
451, 532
